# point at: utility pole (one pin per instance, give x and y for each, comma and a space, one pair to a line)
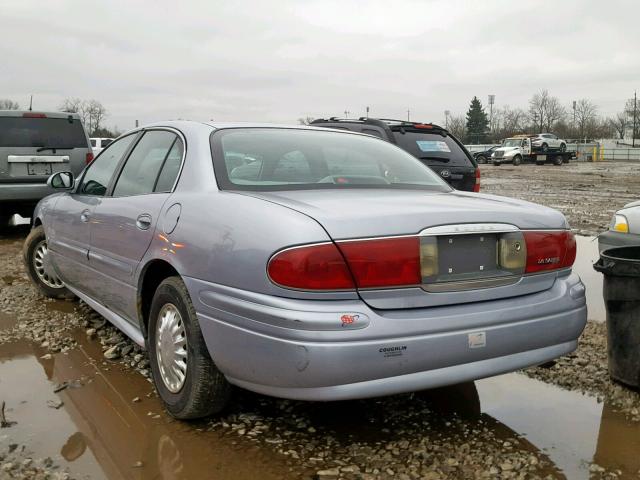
346, 113
367, 112
492, 99
31, 103
446, 118
635, 116
574, 117
408, 115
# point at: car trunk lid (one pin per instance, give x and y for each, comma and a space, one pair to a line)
465, 229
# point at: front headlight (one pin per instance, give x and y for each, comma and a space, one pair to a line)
619, 223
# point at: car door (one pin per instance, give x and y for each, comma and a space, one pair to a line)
70, 233
124, 222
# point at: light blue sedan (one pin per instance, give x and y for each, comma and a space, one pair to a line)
303, 263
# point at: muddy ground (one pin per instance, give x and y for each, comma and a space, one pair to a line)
79, 403
587, 193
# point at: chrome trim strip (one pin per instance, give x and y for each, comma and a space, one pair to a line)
38, 159
468, 229
470, 284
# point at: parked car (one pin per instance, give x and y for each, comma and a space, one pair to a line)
338, 267
433, 145
99, 144
624, 229
33, 145
548, 141
483, 156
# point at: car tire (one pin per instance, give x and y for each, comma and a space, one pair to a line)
35, 254
517, 160
545, 147
481, 159
563, 147
195, 388
558, 160
539, 163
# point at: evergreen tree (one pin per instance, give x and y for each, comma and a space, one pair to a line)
477, 122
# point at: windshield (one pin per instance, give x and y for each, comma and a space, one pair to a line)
41, 132
286, 159
512, 142
432, 148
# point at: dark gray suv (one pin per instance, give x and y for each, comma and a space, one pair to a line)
33, 145
433, 145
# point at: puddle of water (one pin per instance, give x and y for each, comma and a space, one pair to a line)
100, 433
61, 306
588, 255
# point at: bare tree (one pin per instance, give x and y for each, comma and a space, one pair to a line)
97, 114
6, 104
305, 120
513, 121
71, 105
458, 126
586, 115
619, 123
545, 111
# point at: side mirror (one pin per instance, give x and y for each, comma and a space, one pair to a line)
61, 180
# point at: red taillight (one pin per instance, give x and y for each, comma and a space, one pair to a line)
423, 125
476, 187
33, 115
390, 262
89, 158
549, 250
312, 267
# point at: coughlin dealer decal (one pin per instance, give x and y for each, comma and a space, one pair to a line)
395, 351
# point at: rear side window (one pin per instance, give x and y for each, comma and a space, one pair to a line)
99, 173
433, 148
41, 132
171, 168
144, 163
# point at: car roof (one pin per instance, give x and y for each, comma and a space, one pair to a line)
30, 113
186, 125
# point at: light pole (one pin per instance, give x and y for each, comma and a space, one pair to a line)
346, 113
408, 115
446, 119
367, 112
574, 117
635, 116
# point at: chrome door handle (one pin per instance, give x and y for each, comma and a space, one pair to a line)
84, 216
143, 222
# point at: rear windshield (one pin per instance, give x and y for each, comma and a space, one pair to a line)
41, 132
291, 159
432, 148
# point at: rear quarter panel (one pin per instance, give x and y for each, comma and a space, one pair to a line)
228, 239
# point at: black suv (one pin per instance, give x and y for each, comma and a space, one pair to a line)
433, 145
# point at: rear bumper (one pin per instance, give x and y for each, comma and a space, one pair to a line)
299, 349
611, 239
24, 192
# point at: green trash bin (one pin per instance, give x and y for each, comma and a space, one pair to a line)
621, 269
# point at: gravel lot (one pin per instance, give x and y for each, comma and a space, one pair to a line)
587, 193
440, 434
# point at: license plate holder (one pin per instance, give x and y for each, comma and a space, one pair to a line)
39, 169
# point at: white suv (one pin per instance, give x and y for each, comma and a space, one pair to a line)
548, 141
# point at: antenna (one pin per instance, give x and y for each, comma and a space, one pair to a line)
31, 103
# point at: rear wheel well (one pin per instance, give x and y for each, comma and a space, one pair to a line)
153, 275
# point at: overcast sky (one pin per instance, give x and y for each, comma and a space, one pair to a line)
280, 60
